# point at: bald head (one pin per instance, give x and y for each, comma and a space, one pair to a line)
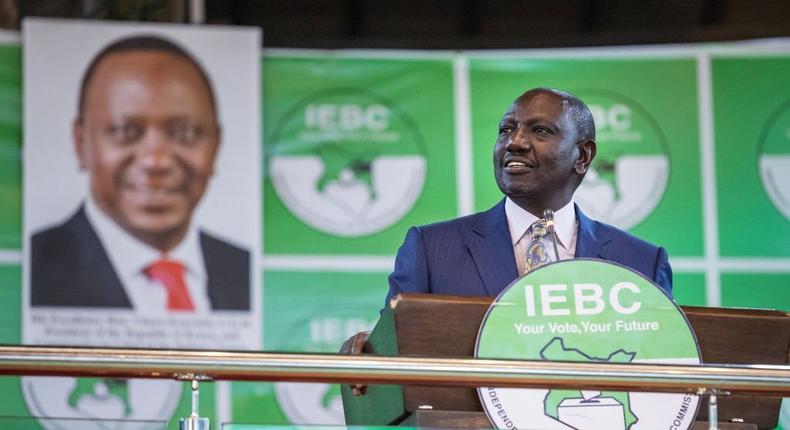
577, 112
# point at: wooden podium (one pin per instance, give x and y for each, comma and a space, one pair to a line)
447, 326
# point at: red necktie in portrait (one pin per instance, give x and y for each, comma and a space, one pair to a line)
171, 274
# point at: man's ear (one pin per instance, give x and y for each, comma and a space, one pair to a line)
587, 150
78, 140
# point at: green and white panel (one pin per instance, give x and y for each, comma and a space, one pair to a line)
646, 175
751, 110
357, 150
308, 312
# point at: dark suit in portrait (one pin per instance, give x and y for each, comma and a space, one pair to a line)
70, 268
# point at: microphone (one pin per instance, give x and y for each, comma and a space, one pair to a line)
548, 215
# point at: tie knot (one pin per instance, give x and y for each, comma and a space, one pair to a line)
170, 274
165, 269
539, 229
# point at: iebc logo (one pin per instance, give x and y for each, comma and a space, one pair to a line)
773, 157
630, 172
586, 311
347, 162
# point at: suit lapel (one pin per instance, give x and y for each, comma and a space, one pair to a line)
591, 241
489, 244
99, 280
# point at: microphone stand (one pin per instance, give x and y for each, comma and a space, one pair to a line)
548, 215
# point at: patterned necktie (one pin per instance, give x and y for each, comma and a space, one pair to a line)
171, 274
536, 254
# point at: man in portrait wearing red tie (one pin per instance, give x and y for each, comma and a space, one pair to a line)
147, 133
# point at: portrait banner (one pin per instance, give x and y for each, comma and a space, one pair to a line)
142, 214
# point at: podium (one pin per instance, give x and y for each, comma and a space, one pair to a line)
446, 326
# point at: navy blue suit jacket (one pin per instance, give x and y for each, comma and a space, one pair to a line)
473, 255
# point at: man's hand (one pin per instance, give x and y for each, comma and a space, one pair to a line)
355, 346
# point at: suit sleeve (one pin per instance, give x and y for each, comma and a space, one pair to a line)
411, 267
663, 272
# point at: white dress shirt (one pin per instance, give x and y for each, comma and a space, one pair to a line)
565, 225
130, 257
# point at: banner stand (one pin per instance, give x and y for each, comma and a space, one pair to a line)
194, 421
713, 412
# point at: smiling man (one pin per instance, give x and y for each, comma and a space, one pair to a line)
545, 145
147, 134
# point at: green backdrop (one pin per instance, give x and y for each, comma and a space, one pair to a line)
433, 118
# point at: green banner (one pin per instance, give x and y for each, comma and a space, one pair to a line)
752, 129
10, 146
357, 150
756, 290
645, 178
308, 312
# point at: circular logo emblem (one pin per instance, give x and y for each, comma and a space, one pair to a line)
774, 158
317, 403
586, 311
101, 403
347, 162
630, 172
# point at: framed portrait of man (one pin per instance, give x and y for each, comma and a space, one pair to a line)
142, 203
142, 180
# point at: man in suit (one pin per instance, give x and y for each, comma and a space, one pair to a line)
147, 133
545, 145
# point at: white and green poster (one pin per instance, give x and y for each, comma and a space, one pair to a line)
752, 126
645, 176
356, 151
322, 321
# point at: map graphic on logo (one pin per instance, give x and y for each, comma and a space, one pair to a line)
774, 159
101, 403
629, 174
101, 391
586, 310
347, 162
609, 409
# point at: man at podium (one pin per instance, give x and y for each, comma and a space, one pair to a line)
545, 145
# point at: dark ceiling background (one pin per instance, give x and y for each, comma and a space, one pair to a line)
444, 24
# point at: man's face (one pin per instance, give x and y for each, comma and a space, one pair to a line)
148, 137
535, 156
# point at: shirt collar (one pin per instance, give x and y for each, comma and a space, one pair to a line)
519, 220
565, 224
131, 256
